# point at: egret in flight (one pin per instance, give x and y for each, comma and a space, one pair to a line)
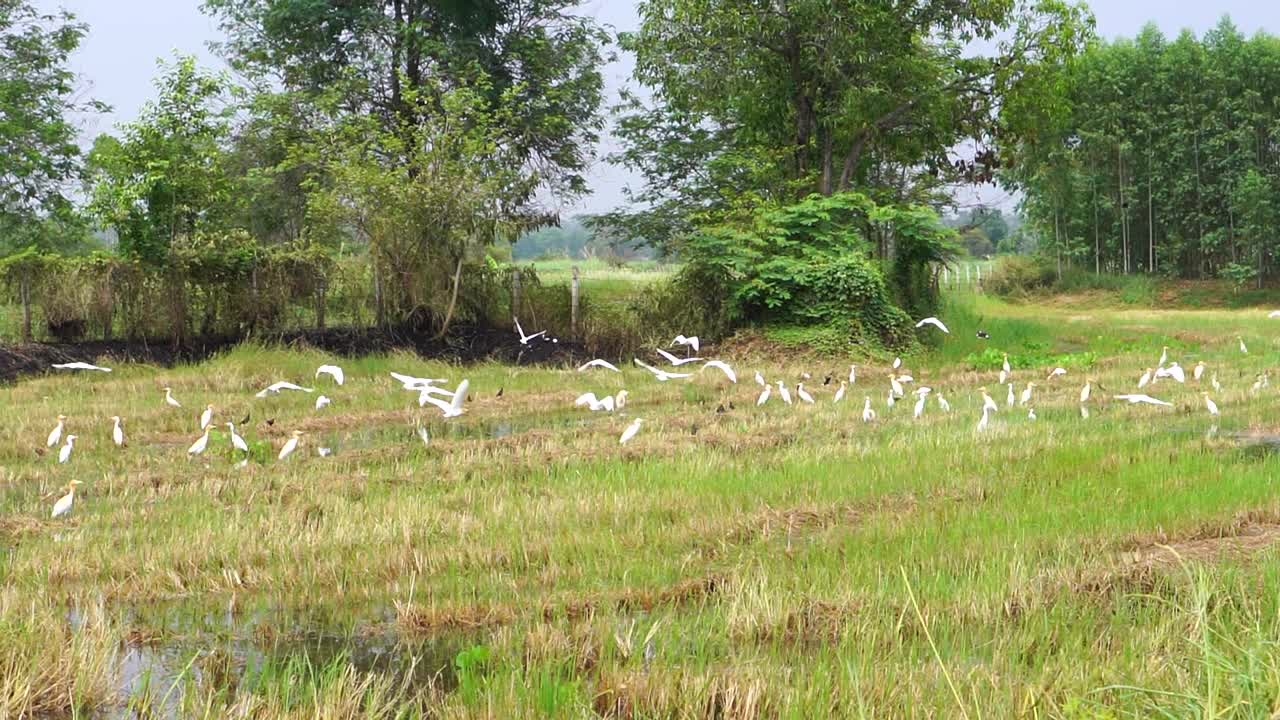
690, 342
676, 361
934, 322
1136, 399
333, 371
55, 435
63, 506
590, 401
722, 367
661, 375
1057, 372
524, 339
80, 366
598, 363
277, 387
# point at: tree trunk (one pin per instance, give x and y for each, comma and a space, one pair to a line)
1057, 243
827, 170
453, 301
24, 289
379, 307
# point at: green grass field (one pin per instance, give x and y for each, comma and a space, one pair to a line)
775, 562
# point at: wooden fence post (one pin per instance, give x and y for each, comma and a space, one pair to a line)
573, 304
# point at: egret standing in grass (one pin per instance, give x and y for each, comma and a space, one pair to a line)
1243, 348
631, 431
919, 409
764, 394
986, 419
1086, 390
206, 417
1145, 379
844, 385
784, 393
199, 445
63, 506
895, 386
237, 442
323, 402
988, 404
169, 399
1210, 404
868, 415
55, 435
942, 403
294, 440
1026, 394
1005, 369
117, 432
1198, 372
853, 374
1012, 397
65, 453
803, 394
1213, 383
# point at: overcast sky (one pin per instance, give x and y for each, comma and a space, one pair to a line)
117, 60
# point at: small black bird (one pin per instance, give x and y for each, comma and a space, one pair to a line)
720, 410
271, 421
499, 392
245, 421
730, 404
827, 381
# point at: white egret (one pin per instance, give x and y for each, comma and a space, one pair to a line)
1012, 397
1213, 382
934, 322
986, 419
80, 366
333, 371
237, 442
591, 402
631, 431
1164, 356
294, 440
988, 404
895, 386
1243, 348
784, 393
620, 400
1006, 366
324, 451
206, 417
408, 382
919, 409
1057, 372
1086, 390
661, 375
942, 403
1145, 379
117, 432
55, 435
722, 367
524, 339
450, 409
1031, 414
868, 415
691, 341
277, 387
764, 395
1003, 377
428, 391
906, 379
65, 453
1084, 412
760, 380
1026, 394
199, 445
853, 374
1198, 372
170, 400
892, 399
1173, 371
676, 361
844, 385
897, 363
1136, 399
598, 363
323, 402
1210, 404
422, 434
63, 506
803, 394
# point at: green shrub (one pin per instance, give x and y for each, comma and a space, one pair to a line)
1017, 276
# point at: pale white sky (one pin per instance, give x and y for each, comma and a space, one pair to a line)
117, 60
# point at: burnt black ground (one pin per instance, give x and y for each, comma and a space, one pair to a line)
463, 344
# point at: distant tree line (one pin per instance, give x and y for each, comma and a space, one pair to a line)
1159, 156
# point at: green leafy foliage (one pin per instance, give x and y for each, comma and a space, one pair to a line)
1032, 355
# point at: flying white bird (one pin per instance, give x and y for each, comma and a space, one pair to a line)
323, 402
942, 403
450, 409
427, 391
237, 442
906, 379
784, 393
593, 403
80, 366
598, 363
117, 432
1198, 372
1135, 399
170, 400
276, 388
1145, 379
661, 375
844, 385
1057, 372
55, 435
1210, 404
676, 361
691, 341
65, 453
199, 445
408, 382
764, 395
291, 445
868, 415
524, 339
1243, 348
631, 431
1026, 394
934, 322
1173, 371
803, 394
63, 506
206, 417
722, 367
333, 371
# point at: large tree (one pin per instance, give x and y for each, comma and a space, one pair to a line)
776, 99
398, 60
39, 156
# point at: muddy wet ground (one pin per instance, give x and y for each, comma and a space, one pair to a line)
463, 344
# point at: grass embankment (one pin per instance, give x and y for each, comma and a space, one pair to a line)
776, 562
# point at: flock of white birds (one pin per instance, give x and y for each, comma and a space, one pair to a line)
432, 391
